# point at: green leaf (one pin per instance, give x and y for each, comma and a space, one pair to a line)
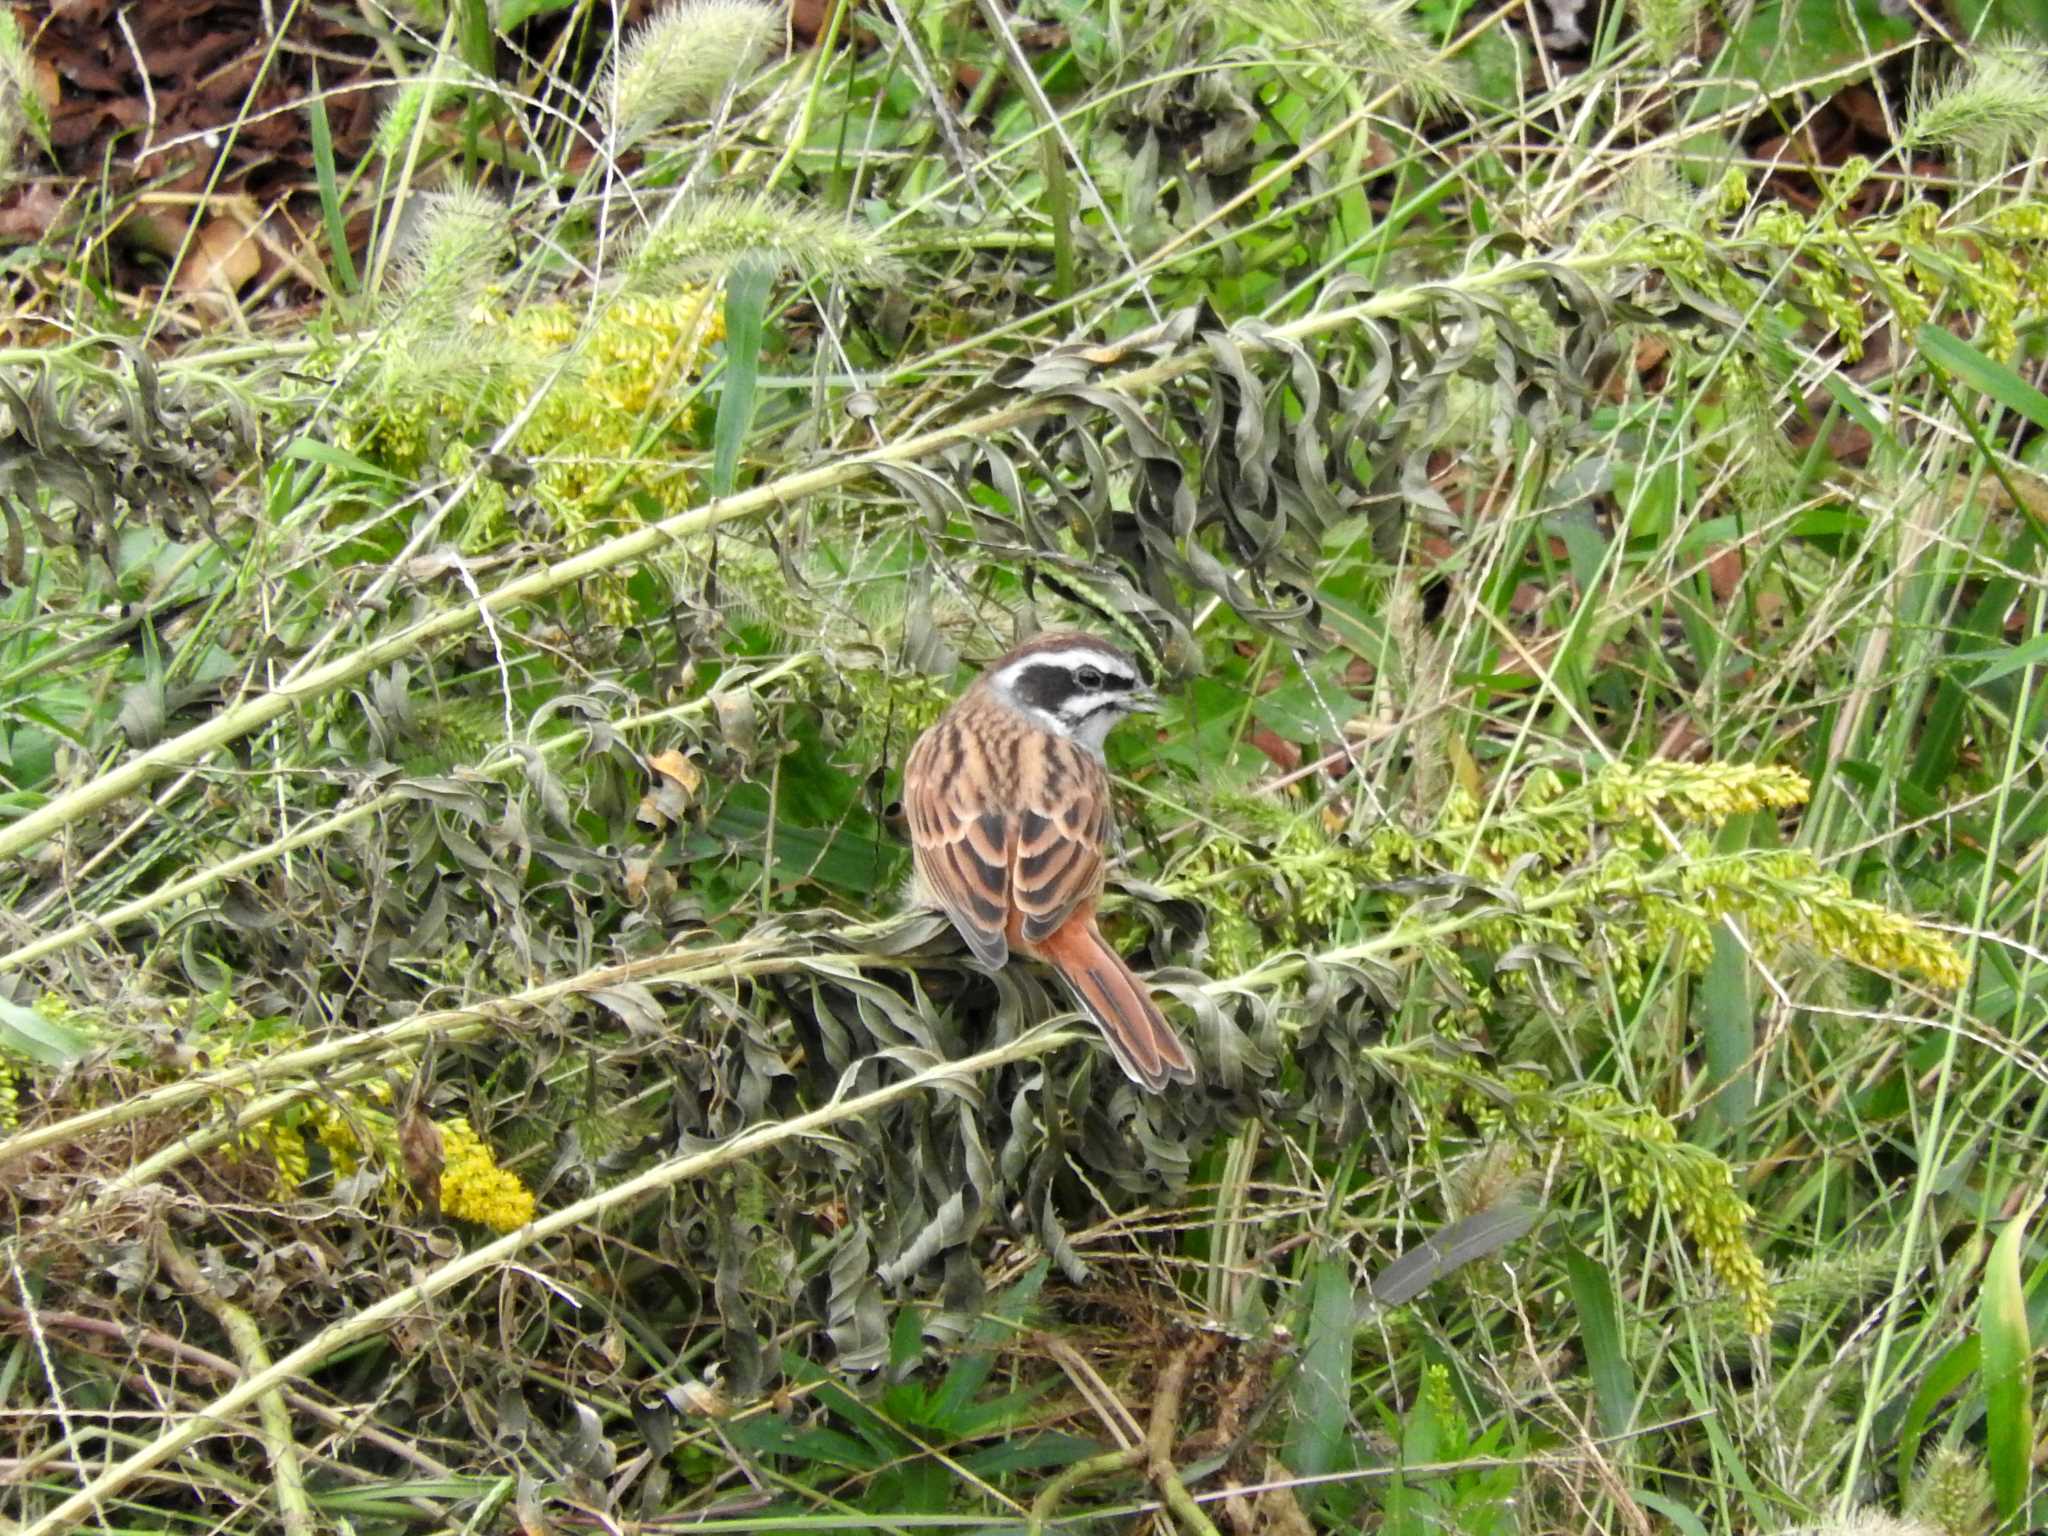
1477, 1236
1946, 724
1845, 394
27, 1034
1945, 1377
2008, 1377
1983, 374
906, 1341
1030, 1454
331, 214
769, 1436
966, 1376
1793, 41
2007, 659
475, 39
1614, 1384
1688, 1523
746, 309
1322, 1387
309, 450
883, 1438
513, 13
848, 856
1729, 1035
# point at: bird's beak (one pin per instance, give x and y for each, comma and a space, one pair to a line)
1142, 701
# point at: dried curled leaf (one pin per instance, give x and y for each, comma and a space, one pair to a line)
1226, 483
111, 450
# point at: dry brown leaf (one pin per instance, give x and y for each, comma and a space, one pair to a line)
419, 1146
673, 765
223, 258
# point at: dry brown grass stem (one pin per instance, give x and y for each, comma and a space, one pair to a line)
738, 960
202, 741
321, 828
287, 1469
376, 1318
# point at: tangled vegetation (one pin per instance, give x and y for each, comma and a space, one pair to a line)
460, 1028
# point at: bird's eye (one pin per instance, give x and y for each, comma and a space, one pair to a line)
1089, 678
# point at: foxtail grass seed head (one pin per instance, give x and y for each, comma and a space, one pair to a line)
1873, 1522
458, 242
402, 113
1671, 26
1951, 1492
682, 60
1996, 104
710, 236
21, 109
455, 248
1377, 38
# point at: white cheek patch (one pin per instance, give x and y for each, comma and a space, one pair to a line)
1082, 706
1050, 721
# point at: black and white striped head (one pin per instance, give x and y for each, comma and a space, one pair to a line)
1072, 684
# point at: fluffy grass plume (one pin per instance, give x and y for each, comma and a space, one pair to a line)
457, 245
703, 238
1951, 1493
1378, 38
1996, 104
422, 96
1672, 26
21, 109
682, 60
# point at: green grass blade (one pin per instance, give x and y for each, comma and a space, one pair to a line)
1984, 374
1614, 1384
1730, 1033
29, 1036
2008, 1383
331, 216
1947, 1375
1682, 1519
1059, 207
966, 1376
1460, 1242
1322, 1389
746, 309
475, 36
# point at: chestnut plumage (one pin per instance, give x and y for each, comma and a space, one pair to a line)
1010, 822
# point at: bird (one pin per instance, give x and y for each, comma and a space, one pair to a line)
1007, 801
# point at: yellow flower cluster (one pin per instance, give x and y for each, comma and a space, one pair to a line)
1558, 824
10, 1099
1633, 904
598, 428
1875, 936
474, 1187
1990, 266
283, 1146
1283, 881
1438, 1391
336, 1122
1700, 792
1637, 1151
1784, 894
1633, 1152
1717, 1219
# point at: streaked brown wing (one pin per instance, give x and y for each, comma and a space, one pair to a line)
961, 844
1062, 829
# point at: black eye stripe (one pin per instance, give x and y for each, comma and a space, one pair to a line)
1055, 686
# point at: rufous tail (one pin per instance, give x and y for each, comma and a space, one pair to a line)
1145, 1045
